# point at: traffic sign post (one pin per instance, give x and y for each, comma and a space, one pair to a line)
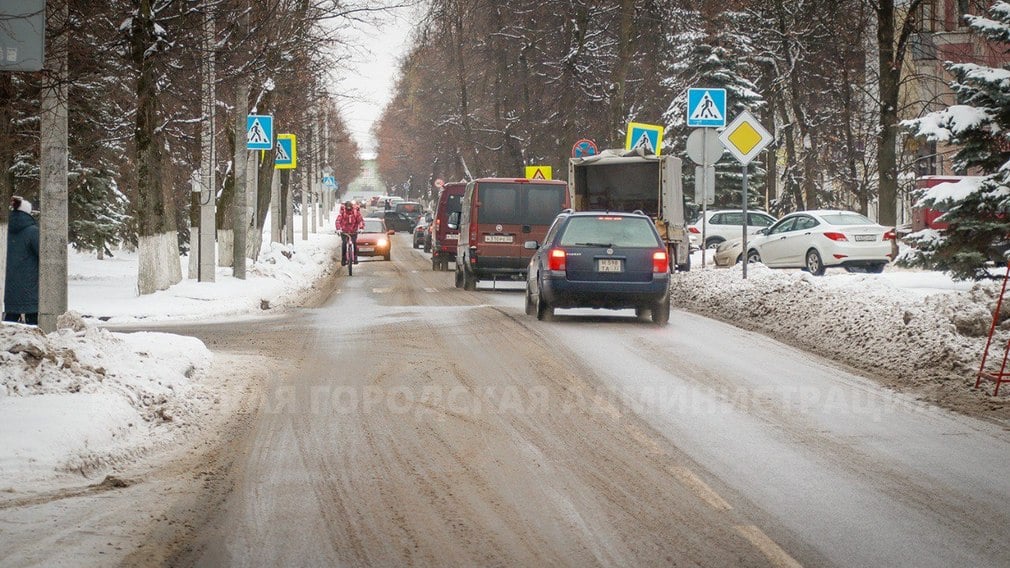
259, 132
286, 157
704, 149
745, 138
706, 108
646, 136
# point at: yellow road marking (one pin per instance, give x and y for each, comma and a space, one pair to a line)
700, 488
767, 546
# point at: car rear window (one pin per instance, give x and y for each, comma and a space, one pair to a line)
408, 207
846, 219
610, 231
453, 203
520, 204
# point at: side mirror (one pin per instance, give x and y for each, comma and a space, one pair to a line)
763, 232
531, 245
390, 232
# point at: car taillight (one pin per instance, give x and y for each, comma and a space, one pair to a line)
890, 235
438, 223
660, 262
839, 237
694, 230
556, 259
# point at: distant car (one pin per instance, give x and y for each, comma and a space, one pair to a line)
600, 260
421, 231
394, 221
725, 225
374, 239
411, 209
816, 240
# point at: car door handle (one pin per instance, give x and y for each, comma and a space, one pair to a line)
782, 238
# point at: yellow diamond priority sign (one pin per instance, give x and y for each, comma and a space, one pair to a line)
745, 137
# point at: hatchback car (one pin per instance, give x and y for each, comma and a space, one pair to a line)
815, 240
374, 239
725, 225
600, 260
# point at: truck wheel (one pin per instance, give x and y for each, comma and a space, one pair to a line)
459, 277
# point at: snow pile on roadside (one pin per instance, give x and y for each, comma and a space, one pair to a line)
82, 401
929, 342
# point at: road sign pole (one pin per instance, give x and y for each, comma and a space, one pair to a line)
704, 199
744, 207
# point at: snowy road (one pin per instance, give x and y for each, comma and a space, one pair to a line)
411, 423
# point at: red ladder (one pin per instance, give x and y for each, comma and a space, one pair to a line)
1002, 376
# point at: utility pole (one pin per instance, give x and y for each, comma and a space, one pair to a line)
240, 215
53, 198
207, 262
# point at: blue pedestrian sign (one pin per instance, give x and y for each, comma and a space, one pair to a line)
330, 182
259, 132
649, 137
706, 108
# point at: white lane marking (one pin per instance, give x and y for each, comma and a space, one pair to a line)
700, 488
381, 290
773, 552
431, 290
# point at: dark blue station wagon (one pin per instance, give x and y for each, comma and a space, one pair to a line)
600, 260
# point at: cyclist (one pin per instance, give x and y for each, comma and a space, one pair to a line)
349, 222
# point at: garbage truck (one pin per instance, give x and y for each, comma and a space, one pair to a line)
632, 180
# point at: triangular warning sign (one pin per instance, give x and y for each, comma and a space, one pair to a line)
644, 142
539, 174
256, 134
706, 109
282, 154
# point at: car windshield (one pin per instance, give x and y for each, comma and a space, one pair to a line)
846, 219
373, 225
609, 231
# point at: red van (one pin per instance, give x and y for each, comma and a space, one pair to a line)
445, 226
498, 216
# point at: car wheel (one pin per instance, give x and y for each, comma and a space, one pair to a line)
814, 264
753, 257
531, 308
544, 310
386, 256
713, 242
459, 277
661, 311
876, 268
435, 265
739, 258
643, 313
469, 282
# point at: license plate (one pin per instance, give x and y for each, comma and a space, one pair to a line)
497, 238
608, 265
865, 238
452, 237
366, 249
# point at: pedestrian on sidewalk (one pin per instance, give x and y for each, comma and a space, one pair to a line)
21, 283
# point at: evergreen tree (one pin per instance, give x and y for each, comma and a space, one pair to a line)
718, 57
977, 211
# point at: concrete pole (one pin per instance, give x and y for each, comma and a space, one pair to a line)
252, 190
53, 199
208, 192
275, 207
240, 209
289, 217
304, 177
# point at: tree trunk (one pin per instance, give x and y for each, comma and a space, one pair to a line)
887, 160
6, 163
159, 265
625, 50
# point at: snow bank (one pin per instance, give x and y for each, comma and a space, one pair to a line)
81, 401
918, 331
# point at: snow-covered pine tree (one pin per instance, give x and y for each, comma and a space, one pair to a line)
718, 56
977, 210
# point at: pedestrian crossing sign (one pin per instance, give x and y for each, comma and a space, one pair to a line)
287, 152
649, 137
706, 108
259, 132
539, 172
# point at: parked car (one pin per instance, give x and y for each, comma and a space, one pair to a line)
374, 239
815, 240
729, 252
600, 260
445, 228
498, 216
421, 231
725, 225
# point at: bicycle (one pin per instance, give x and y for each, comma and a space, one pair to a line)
350, 250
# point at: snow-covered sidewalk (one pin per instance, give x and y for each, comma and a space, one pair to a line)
917, 331
83, 400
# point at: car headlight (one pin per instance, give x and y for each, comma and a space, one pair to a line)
382, 243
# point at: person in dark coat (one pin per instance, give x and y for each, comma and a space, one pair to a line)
21, 285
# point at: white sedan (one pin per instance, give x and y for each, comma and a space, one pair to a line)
815, 240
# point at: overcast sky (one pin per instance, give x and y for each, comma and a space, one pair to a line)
373, 74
